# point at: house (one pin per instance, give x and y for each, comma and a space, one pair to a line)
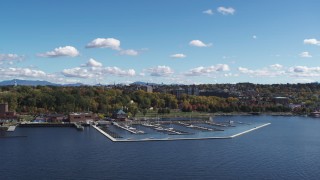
120, 115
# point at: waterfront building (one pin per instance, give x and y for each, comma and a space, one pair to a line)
120, 115
81, 117
56, 118
5, 113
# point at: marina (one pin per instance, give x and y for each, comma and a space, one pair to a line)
175, 130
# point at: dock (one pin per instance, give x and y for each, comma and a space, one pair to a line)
104, 133
11, 128
128, 128
255, 128
170, 131
196, 127
33, 125
79, 126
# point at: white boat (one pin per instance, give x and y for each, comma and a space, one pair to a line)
159, 128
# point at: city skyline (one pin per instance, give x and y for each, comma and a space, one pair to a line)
193, 42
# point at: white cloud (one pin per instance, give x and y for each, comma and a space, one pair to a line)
160, 71
304, 71
96, 71
226, 11
277, 70
119, 72
61, 51
272, 71
206, 70
178, 56
77, 72
311, 41
254, 37
104, 43
276, 66
209, 12
22, 72
198, 43
93, 63
10, 57
305, 55
129, 52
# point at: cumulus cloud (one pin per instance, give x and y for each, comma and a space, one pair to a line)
94, 69
304, 71
226, 11
160, 71
276, 66
312, 41
129, 52
305, 55
209, 12
61, 51
119, 72
22, 72
77, 72
10, 57
206, 70
104, 43
178, 56
280, 71
272, 71
93, 63
198, 43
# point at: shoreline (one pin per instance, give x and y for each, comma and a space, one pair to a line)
207, 115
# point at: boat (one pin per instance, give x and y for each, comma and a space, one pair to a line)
315, 114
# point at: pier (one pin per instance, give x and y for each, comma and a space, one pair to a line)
128, 128
38, 125
195, 126
170, 131
11, 128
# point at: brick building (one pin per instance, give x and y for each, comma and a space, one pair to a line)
81, 117
5, 113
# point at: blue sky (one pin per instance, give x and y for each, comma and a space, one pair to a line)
167, 41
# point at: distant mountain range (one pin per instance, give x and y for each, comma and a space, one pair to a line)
144, 83
46, 83
34, 83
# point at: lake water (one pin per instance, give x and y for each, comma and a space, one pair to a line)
289, 148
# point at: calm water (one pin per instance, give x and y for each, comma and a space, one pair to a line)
289, 148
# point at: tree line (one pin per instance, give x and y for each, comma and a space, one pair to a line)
98, 99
